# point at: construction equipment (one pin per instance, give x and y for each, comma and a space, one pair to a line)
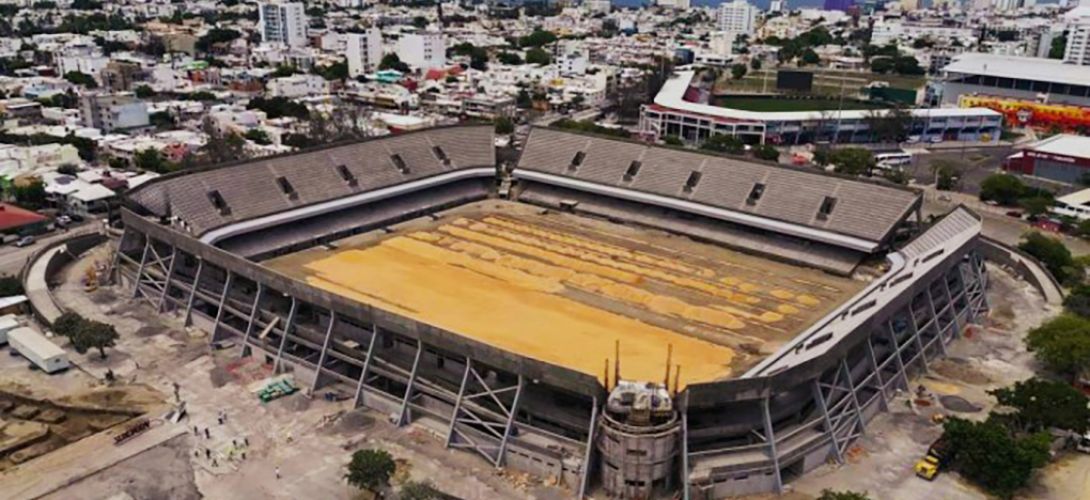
937, 458
276, 389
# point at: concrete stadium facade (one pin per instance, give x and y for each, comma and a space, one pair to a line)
795, 410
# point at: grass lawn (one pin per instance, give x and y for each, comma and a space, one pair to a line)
767, 104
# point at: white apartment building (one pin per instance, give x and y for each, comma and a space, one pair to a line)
364, 52
598, 6
298, 85
737, 16
1078, 36
675, 4
283, 22
422, 51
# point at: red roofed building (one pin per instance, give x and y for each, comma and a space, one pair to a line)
14, 219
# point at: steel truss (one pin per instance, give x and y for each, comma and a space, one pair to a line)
873, 372
480, 431
484, 412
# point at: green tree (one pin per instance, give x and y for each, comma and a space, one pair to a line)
283, 70
766, 152
987, 454
537, 39
538, 56
809, 57
842, 495
276, 107
1077, 300
946, 174
1044, 404
1036, 205
68, 169
1004, 189
1058, 47
391, 61
755, 64
144, 92
258, 136
724, 144
1052, 253
216, 38
94, 335
151, 160
852, 161
738, 71
162, 120
523, 100
504, 125
370, 469
30, 194
509, 58
672, 140
66, 324
78, 78
10, 285
1062, 344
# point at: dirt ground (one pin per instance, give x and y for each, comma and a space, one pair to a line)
880, 463
537, 282
162, 472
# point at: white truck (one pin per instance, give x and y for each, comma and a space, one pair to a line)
8, 322
35, 347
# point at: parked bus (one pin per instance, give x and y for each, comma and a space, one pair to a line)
892, 161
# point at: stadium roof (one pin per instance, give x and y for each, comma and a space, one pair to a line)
301, 183
1021, 68
807, 204
673, 92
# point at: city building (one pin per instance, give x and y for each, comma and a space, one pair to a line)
737, 17
363, 51
422, 51
283, 22
1029, 78
113, 112
1077, 50
1062, 158
674, 4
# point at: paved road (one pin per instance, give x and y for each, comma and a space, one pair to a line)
997, 225
12, 258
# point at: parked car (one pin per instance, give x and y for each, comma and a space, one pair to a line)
25, 241
1017, 214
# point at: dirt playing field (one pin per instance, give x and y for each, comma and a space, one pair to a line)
562, 289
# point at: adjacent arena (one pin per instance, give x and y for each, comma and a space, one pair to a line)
630, 319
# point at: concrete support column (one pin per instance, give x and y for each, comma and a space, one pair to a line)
253, 316
458, 401
325, 347
169, 278
770, 437
935, 322
897, 356
366, 366
219, 312
877, 374
824, 409
852, 394
140, 269
511, 415
111, 273
187, 319
403, 416
584, 479
287, 331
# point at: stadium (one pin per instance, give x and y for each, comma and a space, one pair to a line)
630, 319
681, 109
